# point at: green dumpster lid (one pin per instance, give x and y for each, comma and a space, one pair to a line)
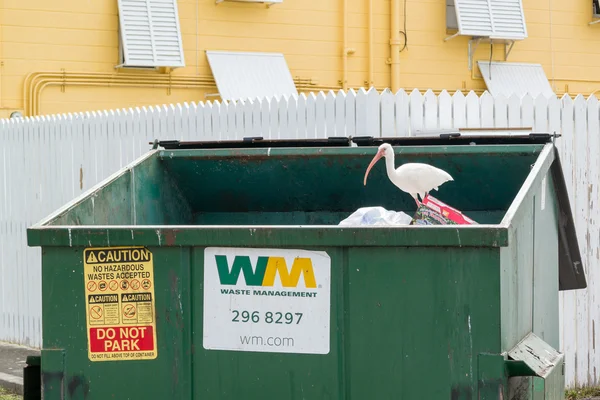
446, 138
252, 142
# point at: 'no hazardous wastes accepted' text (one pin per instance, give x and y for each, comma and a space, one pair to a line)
120, 304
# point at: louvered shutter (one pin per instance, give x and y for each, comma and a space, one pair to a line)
509, 21
498, 19
150, 33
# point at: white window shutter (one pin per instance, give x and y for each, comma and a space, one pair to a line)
150, 33
474, 17
497, 19
509, 19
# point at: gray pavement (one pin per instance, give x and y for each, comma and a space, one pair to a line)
12, 362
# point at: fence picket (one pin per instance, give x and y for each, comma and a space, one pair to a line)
274, 118
247, 127
527, 117
416, 112
302, 117
292, 117
402, 110
361, 113
540, 111
501, 111
340, 114
265, 117
514, 111
257, 122
581, 202
351, 122
473, 109
282, 115
215, 121
487, 110
320, 115
445, 110
430, 110
330, 114
459, 113
373, 120
387, 113
593, 233
310, 116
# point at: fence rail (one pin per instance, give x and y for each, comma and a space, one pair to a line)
46, 161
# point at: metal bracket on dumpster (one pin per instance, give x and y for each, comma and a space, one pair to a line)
254, 142
533, 357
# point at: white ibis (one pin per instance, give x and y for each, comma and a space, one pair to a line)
412, 178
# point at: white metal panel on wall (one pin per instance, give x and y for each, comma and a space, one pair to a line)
46, 161
506, 78
247, 75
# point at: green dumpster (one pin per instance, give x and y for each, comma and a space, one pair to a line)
217, 270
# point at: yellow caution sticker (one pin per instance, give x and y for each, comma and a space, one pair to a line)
119, 303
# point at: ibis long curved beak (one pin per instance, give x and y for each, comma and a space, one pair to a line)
375, 159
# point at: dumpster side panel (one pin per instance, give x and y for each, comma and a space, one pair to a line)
416, 320
546, 264
64, 331
144, 195
111, 205
517, 281
157, 199
532, 253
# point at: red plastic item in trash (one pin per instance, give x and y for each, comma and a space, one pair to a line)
451, 213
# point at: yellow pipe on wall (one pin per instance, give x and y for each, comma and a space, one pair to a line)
395, 44
36, 82
36, 86
370, 43
115, 84
345, 44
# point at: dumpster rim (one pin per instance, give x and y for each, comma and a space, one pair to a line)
264, 235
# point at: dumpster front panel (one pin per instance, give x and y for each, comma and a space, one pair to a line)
405, 322
417, 319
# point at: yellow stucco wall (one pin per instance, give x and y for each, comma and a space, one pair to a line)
80, 36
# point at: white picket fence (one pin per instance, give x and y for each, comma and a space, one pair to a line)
46, 161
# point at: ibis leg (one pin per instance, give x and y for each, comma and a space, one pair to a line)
416, 200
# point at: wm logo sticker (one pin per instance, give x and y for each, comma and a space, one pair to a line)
267, 268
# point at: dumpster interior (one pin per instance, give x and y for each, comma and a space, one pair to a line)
298, 186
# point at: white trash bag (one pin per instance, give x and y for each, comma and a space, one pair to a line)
376, 216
